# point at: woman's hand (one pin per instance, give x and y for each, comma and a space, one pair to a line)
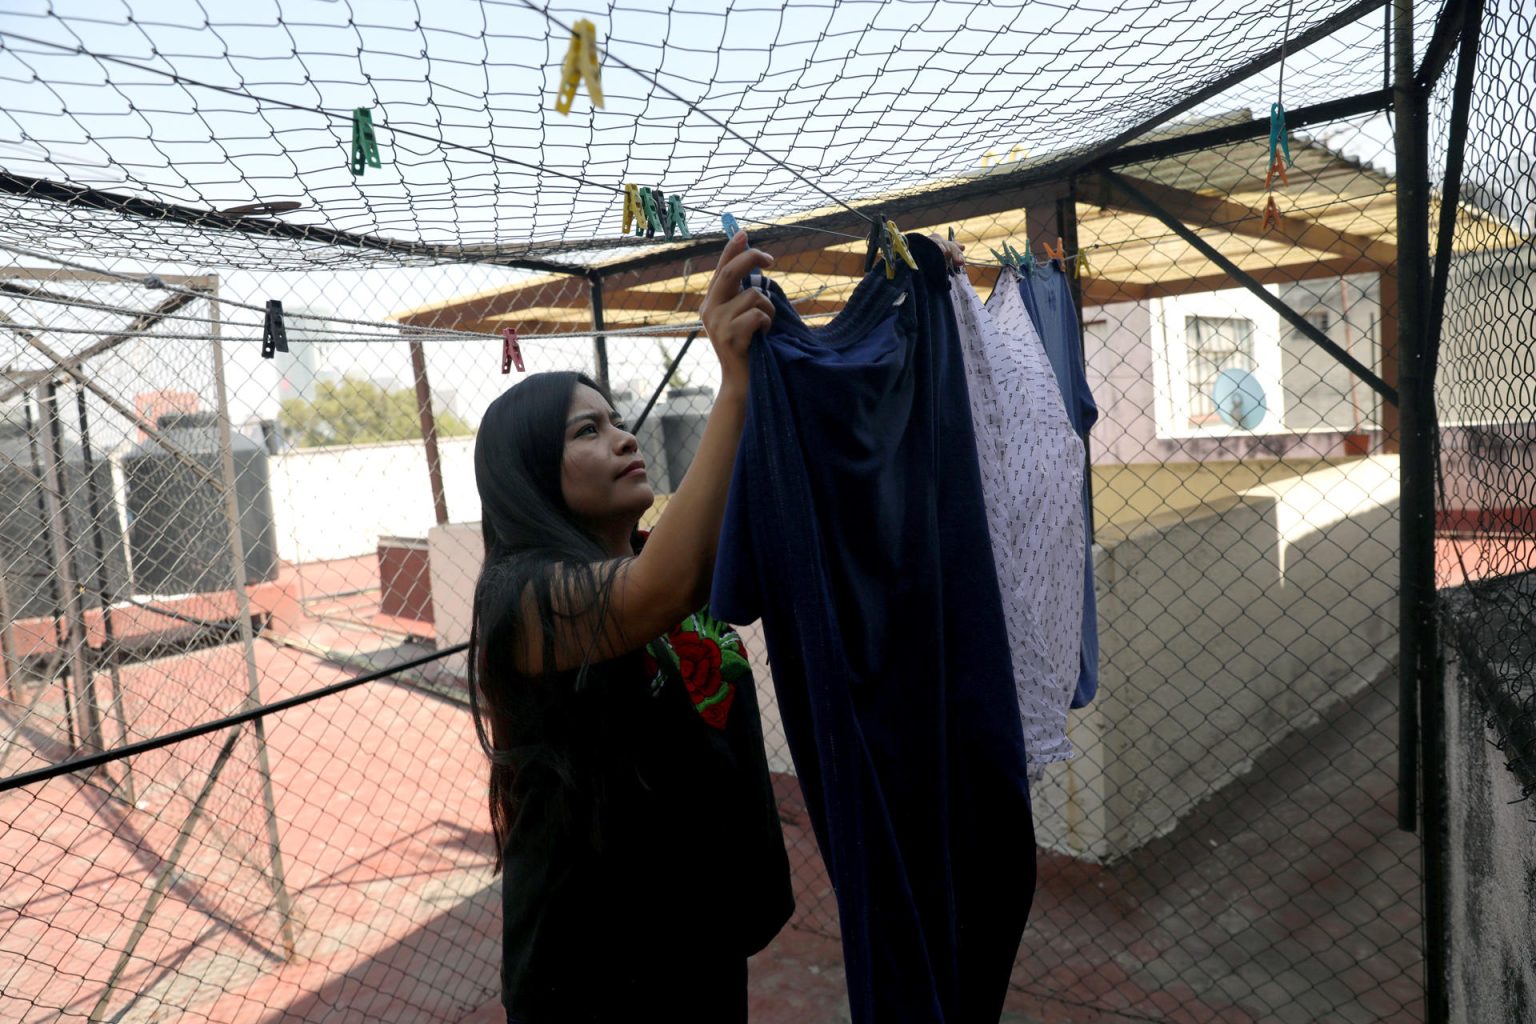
954, 250
731, 314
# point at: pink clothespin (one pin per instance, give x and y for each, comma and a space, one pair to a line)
511, 351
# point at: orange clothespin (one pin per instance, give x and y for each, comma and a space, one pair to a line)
580, 63
1271, 215
634, 213
1059, 253
1277, 166
511, 351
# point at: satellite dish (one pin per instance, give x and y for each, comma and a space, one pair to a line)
1239, 399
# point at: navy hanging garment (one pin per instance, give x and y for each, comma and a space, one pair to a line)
1048, 294
855, 529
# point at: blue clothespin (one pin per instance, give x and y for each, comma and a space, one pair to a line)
729, 223
1027, 263
675, 219
1279, 138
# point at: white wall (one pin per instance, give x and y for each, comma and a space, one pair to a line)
337, 502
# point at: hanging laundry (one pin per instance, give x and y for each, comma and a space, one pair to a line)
855, 530
1031, 464
1048, 295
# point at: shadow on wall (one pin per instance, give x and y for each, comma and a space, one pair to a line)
1223, 630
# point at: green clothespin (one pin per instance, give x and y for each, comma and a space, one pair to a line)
675, 219
1002, 258
652, 215
1027, 263
951, 232
365, 146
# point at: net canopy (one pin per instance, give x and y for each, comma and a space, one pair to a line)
129, 129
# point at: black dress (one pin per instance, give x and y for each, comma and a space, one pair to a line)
646, 861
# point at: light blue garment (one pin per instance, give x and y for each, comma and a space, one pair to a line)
1048, 296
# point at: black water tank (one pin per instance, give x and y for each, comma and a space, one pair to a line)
682, 427
177, 532
26, 544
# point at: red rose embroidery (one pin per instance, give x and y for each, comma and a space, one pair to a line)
699, 660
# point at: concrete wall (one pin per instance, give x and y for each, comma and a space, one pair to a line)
1222, 630
1492, 869
337, 502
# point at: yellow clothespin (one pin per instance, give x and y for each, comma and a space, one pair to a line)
580, 63
896, 246
633, 211
1082, 264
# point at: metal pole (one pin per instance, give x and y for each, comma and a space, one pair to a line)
428, 430
247, 637
600, 340
9, 662
56, 495
163, 878
53, 579
106, 594
1421, 682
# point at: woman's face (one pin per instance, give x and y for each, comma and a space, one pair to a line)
602, 477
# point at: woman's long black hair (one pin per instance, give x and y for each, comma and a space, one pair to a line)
528, 532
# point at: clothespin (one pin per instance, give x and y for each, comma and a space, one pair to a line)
633, 212
580, 63
511, 351
652, 216
675, 219
1279, 138
365, 145
951, 232
1027, 263
1271, 215
663, 214
895, 245
1002, 257
274, 336
1277, 167
729, 224
1058, 254
1082, 263
876, 242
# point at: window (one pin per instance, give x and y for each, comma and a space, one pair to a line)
1197, 337
1215, 344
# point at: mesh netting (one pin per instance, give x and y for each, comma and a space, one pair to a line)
1487, 412
767, 113
192, 530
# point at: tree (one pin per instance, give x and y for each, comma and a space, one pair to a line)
354, 411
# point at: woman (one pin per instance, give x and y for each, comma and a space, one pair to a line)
629, 794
